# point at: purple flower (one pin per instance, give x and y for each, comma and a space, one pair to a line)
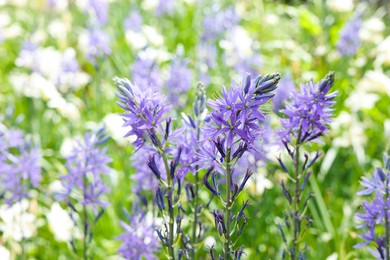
142, 176
98, 44
235, 123
310, 111
218, 22
375, 214
207, 57
139, 240
285, 90
145, 111
375, 185
133, 22
349, 41
165, 7
189, 144
235, 114
146, 74
19, 164
250, 64
86, 164
100, 10
179, 81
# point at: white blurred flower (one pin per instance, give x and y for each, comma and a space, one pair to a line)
349, 132
67, 145
66, 109
113, 123
58, 5
154, 37
16, 222
271, 19
156, 54
21, 3
333, 256
4, 253
209, 242
56, 187
238, 40
387, 128
258, 183
61, 69
60, 223
375, 81
383, 53
148, 36
136, 39
340, 5
360, 99
22, 84
149, 4
58, 29
372, 30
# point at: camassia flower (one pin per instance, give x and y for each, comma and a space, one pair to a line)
139, 240
235, 116
375, 216
306, 119
349, 41
19, 164
86, 164
145, 111
308, 114
230, 131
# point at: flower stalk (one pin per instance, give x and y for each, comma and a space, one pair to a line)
228, 205
306, 120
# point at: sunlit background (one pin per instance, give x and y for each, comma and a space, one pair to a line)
58, 59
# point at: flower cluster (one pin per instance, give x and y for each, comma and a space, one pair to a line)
164, 158
95, 41
179, 81
285, 91
306, 119
19, 164
308, 114
376, 216
86, 164
231, 130
145, 111
235, 116
349, 41
145, 73
139, 239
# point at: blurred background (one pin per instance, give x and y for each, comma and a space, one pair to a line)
58, 59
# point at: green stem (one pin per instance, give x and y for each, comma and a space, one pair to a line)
196, 202
196, 197
170, 209
85, 227
85, 217
295, 205
227, 207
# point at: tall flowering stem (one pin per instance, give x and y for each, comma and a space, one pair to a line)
20, 169
198, 108
376, 216
146, 114
305, 121
86, 165
231, 130
20, 166
228, 205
